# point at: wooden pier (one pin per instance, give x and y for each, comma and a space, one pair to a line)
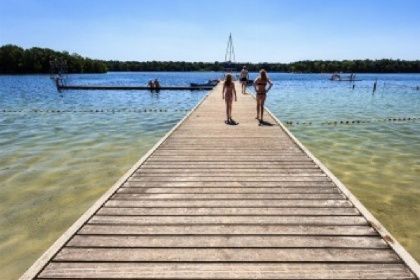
217, 201
105, 87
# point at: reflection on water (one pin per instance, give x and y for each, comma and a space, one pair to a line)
54, 165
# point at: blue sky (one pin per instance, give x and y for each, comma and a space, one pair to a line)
186, 30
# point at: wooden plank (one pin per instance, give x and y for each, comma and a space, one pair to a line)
228, 152
145, 88
284, 141
149, 172
223, 271
227, 196
202, 146
217, 241
231, 190
230, 220
278, 178
223, 166
230, 203
227, 211
226, 255
230, 230
233, 159
260, 134
232, 184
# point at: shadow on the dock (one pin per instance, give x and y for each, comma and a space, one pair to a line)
231, 122
262, 122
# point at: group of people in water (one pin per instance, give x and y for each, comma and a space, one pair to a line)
337, 77
154, 84
262, 85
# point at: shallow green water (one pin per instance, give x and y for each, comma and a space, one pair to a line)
53, 173
54, 166
366, 140
380, 168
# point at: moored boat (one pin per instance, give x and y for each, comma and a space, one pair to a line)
338, 78
210, 83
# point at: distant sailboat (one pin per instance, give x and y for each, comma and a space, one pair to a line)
230, 60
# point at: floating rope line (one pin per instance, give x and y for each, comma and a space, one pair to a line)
113, 111
347, 122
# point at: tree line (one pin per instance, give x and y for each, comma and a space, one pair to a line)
16, 60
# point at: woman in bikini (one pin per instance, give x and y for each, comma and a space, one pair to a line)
227, 94
260, 84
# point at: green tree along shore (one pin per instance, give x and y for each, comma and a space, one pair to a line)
16, 60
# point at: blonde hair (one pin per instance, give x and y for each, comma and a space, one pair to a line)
263, 75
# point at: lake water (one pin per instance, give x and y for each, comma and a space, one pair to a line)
61, 151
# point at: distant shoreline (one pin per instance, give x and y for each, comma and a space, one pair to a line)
16, 60
219, 72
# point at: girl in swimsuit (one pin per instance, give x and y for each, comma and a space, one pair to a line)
227, 94
260, 84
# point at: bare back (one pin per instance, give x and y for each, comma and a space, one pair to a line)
228, 91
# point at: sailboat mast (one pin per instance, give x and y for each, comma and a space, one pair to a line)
230, 51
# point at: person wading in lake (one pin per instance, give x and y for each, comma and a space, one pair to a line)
260, 86
156, 84
227, 94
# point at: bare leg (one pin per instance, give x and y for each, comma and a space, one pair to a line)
231, 109
258, 107
262, 107
227, 111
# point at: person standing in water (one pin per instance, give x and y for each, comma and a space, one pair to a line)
156, 84
227, 94
260, 86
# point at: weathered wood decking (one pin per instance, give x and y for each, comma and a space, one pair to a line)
217, 201
104, 87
